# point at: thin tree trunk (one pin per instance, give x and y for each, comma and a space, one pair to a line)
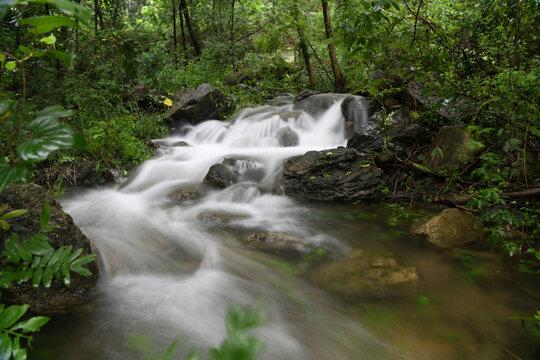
190, 28
338, 78
182, 31
175, 44
302, 43
231, 36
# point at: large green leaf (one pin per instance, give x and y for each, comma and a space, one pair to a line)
68, 7
10, 315
31, 325
5, 346
5, 5
10, 174
60, 55
51, 135
44, 217
47, 23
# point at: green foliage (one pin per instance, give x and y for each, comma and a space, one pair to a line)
35, 259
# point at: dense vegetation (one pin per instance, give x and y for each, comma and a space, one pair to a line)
86, 57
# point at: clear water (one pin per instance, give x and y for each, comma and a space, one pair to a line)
167, 273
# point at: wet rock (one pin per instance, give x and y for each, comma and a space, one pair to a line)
451, 228
203, 103
304, 94
57, 298
221, 176
457, 149
412, 134
236, 78
248, 170
217, 218
188, 193
359, 110
363, 142
350, 129
181, 144
332, 175
278, 243
287, 137
317, 104
360, 276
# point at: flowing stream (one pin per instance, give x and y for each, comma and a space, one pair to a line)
172, 268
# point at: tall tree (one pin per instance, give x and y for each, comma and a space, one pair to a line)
339, 82
192, 35
302, 42
175, 45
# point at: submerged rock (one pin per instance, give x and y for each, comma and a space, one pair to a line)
451, 228
58, 298
360, 276
277, 243
203, 103
332, 175
188, 192
287, 137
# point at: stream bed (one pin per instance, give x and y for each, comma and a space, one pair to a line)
174, 255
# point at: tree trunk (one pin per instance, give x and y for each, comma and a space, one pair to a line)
338, 78
175, 45
302, 43
190, 28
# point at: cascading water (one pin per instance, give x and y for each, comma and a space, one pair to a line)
167, 273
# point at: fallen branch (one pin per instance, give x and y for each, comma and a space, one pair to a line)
510, 195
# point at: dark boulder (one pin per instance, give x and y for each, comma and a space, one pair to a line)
363, 142
304, 94
221, 175
287, 137
412, 134
318, 104
203, 103
58, 298
332, 175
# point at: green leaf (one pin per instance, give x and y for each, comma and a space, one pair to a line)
80, 270
47, 23
25, 254
36, 280
192, 355
31, 325
57, 254
44, 217
68, 8
11, 315
10, 65
47, 277
63, 258
83, 260
60, 55
38, 247
13, 214
51, 135
74, 255
169, 351
66, 274
5, 345
49, 40
6, 106
10, 174
19, 353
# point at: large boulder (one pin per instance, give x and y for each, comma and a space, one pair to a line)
456, 149
412, 134
58, 298
317, 104
332, 175
145, 97
358, 275
363, 142
195, 105
451, 228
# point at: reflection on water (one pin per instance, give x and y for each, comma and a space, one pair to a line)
171, 268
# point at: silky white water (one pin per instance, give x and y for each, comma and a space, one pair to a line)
166, 273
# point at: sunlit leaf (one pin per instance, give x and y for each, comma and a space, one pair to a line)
168, 102
31, 325
47, 23
10, 65
49, 40
11, 315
